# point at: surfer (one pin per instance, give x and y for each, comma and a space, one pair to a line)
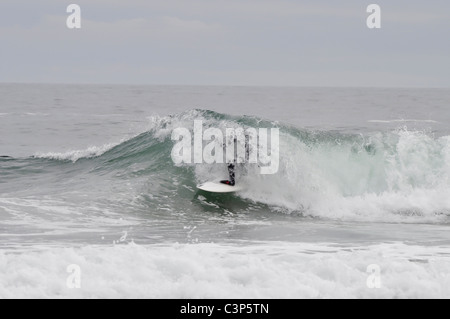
231, 172
231, 167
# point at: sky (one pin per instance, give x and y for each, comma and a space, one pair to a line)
227, 42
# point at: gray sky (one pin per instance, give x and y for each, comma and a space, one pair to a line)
227, 42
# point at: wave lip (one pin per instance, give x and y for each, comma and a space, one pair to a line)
76, 155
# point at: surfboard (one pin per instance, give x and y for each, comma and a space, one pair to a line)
216, 187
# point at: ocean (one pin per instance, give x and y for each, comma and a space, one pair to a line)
359, 208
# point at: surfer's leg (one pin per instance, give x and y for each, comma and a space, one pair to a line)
231, 172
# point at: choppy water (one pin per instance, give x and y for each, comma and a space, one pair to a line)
88, 169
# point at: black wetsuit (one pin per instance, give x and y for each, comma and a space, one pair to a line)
231, 167
232, 174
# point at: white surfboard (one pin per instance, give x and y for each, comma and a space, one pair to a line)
216, 187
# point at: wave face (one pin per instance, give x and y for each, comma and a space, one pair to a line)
397, 176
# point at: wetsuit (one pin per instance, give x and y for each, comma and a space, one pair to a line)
231, 167
232, 174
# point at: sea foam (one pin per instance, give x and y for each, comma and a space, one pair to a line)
261, 270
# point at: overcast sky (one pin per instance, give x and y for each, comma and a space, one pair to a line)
227, 42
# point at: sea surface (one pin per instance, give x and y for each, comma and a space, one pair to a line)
360, 206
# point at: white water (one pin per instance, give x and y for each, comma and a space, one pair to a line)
260, 270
